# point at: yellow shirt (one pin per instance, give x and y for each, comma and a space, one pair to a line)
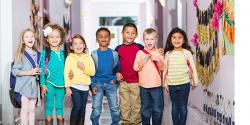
178, 70
79, 76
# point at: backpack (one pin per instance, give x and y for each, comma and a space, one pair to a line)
15, 97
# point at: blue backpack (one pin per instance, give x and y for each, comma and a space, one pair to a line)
15, 97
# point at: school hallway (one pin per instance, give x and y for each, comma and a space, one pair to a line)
194, 116
211, 40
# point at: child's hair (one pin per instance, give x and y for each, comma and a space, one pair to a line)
20, 51
102, 29
170, 47
129, 25
57, 27
77, 36
149, 31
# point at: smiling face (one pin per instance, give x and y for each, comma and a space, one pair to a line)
150, 40
78, 46
54, 38
177, 40
29, 39
129, 34
103, 38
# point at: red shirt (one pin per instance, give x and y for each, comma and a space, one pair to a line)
127, 54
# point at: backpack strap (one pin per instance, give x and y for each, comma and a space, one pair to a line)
31, 60
190, 71
155, 64
47, 57
115, 57
95, 58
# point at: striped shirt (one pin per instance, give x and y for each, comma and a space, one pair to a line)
178, 71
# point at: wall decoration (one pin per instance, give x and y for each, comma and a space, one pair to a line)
35, 19
228, 28
207, 49
219, 109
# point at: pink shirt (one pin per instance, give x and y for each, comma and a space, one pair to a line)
148, 75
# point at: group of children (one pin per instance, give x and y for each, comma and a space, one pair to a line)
131, 69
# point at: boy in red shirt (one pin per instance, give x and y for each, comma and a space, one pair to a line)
129, 91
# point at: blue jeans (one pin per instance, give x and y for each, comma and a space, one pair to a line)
110, 91
79, 101
152, 105
179, 96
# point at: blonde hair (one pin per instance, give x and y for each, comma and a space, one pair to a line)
20, 51
150, 31
57, 27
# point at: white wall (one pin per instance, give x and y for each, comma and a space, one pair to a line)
56, 11
224, 80
91, 11
21, 11
5, 59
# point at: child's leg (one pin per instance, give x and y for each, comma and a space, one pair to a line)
124, 102
60, 94
146, 105
158, 105
76, 101
49, 101
84, 99
174, 96
97, 106
184, 94
32, 104
111, 94
24, 110
135, 101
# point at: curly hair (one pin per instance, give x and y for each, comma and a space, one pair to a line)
61, 30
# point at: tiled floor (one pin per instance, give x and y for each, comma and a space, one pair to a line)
194, 116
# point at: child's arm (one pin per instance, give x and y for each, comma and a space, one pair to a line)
165, 73
140, 61
67, 70
42, 75
42, 65
160, 61
89, 67
16, 70
195, 74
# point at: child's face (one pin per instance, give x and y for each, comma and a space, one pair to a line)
177, 40
54, 38
150, 40
103, 38
77, 46
29, 39
129, 34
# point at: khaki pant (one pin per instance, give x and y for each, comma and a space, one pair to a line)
130, 103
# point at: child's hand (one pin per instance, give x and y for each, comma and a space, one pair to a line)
81, 65
44, 90
119, 76
161, 51
94, 91
68, 92
193, 85
71, 74
165, 87
35, 71
155, 58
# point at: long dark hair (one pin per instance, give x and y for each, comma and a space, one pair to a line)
170, 47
